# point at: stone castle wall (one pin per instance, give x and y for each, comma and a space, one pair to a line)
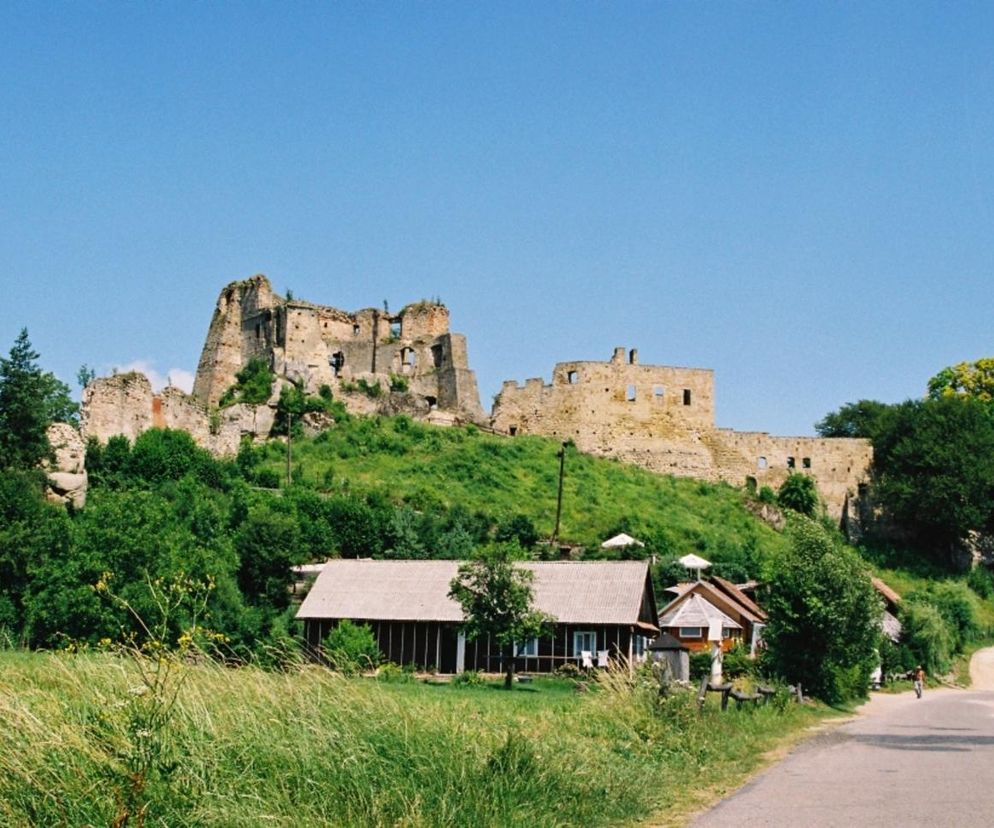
662, 418
319, 345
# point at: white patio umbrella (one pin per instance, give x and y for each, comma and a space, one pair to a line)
696, 563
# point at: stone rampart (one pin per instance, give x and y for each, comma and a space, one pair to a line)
662, 418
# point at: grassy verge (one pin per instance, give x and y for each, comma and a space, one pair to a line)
247, 747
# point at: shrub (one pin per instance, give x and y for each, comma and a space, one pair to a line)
958, 607
569, 670
398, 383
470, 678
700, 664
766, 495
392, 674
737, 662
253, 385
351, 648
372, 390
798, 493
927, 635
981, 581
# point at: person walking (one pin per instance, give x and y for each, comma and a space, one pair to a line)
918, 677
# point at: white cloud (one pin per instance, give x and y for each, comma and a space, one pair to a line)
177, 377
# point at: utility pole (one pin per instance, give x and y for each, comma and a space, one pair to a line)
289, 440
559, 498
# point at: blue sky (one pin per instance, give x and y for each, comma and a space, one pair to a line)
796, 195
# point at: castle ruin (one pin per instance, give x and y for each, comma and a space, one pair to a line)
662, 418
421, 368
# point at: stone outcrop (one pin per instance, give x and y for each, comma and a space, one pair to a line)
662, 418
66, 472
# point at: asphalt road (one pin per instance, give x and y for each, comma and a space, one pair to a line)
900, 762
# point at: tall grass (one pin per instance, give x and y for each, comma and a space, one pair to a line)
248, 747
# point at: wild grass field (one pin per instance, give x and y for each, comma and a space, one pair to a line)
81, 744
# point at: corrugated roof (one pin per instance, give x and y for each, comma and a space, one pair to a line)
731, 594
573, 592
695, 611
887, 592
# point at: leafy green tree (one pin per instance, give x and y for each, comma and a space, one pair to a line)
30, 401
824, 615
268, 544
518, 528
933, 470
965, 379
161, 454
30, 531
798, 493
859, 419
496, 599
85, 375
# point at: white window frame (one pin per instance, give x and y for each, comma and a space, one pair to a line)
584, 635
685, 632
529, 649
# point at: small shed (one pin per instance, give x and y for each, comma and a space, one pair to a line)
667, 650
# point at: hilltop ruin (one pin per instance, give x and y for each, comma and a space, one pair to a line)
411, 359
662, 418
655, 416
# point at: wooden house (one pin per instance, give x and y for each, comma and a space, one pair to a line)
605, 608
687, 616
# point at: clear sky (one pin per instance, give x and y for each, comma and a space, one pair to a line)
799, 196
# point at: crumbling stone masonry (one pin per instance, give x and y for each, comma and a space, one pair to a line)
304, 343
662, 418
319, 345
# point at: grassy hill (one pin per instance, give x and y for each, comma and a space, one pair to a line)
433, 469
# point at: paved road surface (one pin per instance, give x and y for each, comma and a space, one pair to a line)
902, 762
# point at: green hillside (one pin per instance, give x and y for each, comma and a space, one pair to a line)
439, 469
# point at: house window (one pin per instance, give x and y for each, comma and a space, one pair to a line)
584, 640
726, 632
528, 649
691, 632
638, 646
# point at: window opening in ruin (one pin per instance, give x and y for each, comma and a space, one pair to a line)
432, 403
806, 462
337, 362
630, 393
761, 463
408, 357
436, 355
658, 391
571, 377
355, 330
790, 463
258, 330
395, 327
633, 356
686, 396
751, 484
513, 430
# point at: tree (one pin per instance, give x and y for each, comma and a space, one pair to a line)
965, 379
496, 599
798, 493
824, 615
933, 470
30, 401
85, 375
859, 419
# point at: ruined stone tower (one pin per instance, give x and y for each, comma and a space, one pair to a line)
318, 345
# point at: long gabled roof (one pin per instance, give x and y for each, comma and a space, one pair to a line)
573, 592
739, 596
